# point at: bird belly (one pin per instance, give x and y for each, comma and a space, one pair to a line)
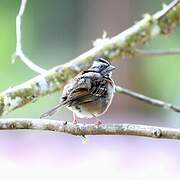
93, 108
80, 111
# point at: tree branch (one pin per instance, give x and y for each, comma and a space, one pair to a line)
148, 100
19, 52
122, 45
166, 9
90, 129
142, 52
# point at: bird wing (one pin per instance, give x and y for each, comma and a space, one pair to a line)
85, 88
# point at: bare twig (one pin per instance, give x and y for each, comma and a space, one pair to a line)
122, 45
19, 52
167, 8
90, 129
148, 100
142, 52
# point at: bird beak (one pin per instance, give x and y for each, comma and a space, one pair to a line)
110, 68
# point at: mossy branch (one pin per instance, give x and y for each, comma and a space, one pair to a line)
90, 129
122, 45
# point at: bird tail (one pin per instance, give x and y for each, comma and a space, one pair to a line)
52, 111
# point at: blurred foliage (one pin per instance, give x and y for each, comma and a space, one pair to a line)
162, 73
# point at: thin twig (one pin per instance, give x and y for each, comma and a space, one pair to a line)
19, 52
142, 52
90, 129
148, 100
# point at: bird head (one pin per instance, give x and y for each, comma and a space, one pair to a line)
103, 67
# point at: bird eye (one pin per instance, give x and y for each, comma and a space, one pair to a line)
101, 66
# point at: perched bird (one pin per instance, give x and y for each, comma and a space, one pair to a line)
90, 93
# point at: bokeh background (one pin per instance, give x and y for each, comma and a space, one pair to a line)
56, 31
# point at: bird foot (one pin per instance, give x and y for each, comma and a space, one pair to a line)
98, 122
75, 121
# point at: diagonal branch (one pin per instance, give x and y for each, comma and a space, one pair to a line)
166, 9
122, 45
19, 52
148, 100
90, 129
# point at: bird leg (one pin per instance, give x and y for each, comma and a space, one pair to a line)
74, 119
98, 121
